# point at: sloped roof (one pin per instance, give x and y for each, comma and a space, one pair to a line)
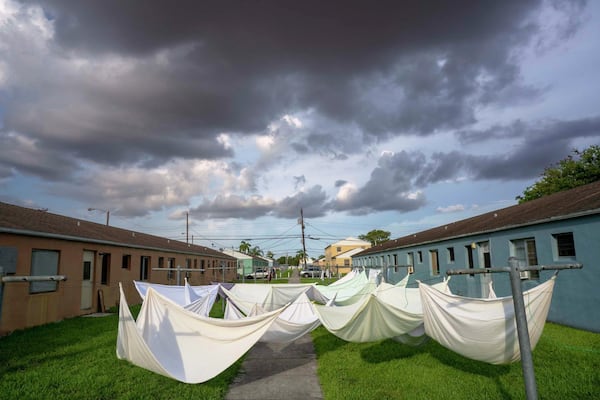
27, 221
237, 254
583, 200
349, 253
350, 241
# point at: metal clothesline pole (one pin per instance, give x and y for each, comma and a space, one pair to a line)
520, 314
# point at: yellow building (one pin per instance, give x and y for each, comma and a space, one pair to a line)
338, 256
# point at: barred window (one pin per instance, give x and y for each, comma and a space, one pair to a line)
565, 244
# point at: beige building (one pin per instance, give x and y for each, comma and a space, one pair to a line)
336, 261
54, 267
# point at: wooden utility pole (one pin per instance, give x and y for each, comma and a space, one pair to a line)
303, 242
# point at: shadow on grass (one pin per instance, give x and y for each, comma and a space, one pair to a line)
325, 342
389, 350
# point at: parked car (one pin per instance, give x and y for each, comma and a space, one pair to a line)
259, 273
311, 272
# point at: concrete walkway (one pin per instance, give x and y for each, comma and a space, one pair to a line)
273, 371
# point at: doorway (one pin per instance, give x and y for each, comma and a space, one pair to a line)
87, 281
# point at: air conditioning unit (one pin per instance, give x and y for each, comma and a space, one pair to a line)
524, 274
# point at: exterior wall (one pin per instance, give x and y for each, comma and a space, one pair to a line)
576, 298
250, 264
335, 264
339, 267
21, 309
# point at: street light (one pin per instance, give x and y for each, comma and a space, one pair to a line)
99, 209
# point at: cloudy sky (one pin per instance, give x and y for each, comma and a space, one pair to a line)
394, 115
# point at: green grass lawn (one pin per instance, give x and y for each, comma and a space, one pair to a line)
76, 359
566, 363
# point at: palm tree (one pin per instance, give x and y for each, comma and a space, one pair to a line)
302, 256
256, 251
244, 246
270, 254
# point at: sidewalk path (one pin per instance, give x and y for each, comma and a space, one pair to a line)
273, 371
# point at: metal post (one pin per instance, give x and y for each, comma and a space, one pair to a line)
1, 291
522, 330
178, 275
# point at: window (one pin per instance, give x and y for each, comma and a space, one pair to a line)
451, 258
105, 276
485, 257
144, 268
524, 250
338, 249
470, 259
435, 262
395, 259
126, 261
195, 263
565, 245
420, 256
161, 262
202, 266
346, 262
170, 264
410, 259
44, 262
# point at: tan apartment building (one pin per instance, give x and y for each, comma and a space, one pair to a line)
54, 267
342, 265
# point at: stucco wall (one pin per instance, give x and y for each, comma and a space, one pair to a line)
21, 309
576, 298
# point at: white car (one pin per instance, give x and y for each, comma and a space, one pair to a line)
260, 273
311, 272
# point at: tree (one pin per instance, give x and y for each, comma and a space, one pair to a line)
376, 236
301, 257
577, 169
255, 251
244, 246
270, 254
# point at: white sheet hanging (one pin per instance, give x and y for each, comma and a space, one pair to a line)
179, 344
484, 329
349, 292
349, 276
382, 314
198, 299
298, 319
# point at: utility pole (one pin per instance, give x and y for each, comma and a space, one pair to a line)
187, 226
303, 242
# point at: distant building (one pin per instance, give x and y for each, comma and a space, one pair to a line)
94, 258
561, 228
338, 265
246, 263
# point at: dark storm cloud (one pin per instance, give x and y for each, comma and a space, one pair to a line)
386, 67
29, 156
232, 206
141, 83
390, 187
398, 181
542, 145
313, 202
